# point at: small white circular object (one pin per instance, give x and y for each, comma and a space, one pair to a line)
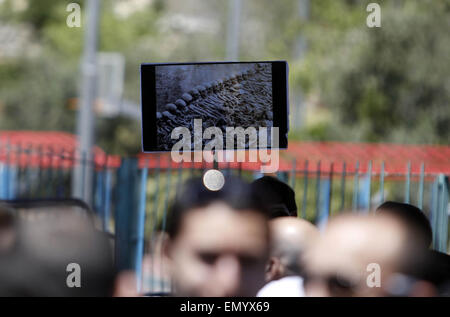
213, 179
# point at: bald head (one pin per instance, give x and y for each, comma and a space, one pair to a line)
290, 237
338, 263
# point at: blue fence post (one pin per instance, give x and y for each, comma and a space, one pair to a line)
382, 183
330, 196
107, 200
369, 186
421, 183
324, 203
8, 180
28, 172
13, 182
164, 218
141, 225
127, 220
364, 192
355, 202
58, 167
283, 176
408, 183
305, 190
439, 213
154, 219
344, 168
318, 189
49, 173
98, 196
2, 181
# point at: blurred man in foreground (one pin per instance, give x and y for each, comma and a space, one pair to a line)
413, 219
219, 240
361, 255
290, 238
436, 266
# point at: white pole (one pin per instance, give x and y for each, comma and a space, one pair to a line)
83, 172
233, 29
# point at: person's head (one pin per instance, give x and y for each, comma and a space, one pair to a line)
218, 240
276, 195
290, 238
412, 217
358, 255
52, 254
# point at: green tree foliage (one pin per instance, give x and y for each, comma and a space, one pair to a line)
35, 95
384, 84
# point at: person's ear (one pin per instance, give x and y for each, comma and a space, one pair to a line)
273, 269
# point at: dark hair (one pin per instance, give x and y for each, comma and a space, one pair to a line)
235, 193
275, 194
411, 216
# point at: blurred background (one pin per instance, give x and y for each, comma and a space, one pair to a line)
369, 107
348, 82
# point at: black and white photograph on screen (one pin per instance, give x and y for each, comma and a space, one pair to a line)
221, 95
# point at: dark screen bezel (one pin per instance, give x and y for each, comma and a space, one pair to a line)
148, 102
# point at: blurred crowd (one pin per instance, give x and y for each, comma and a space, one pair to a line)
244, 239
